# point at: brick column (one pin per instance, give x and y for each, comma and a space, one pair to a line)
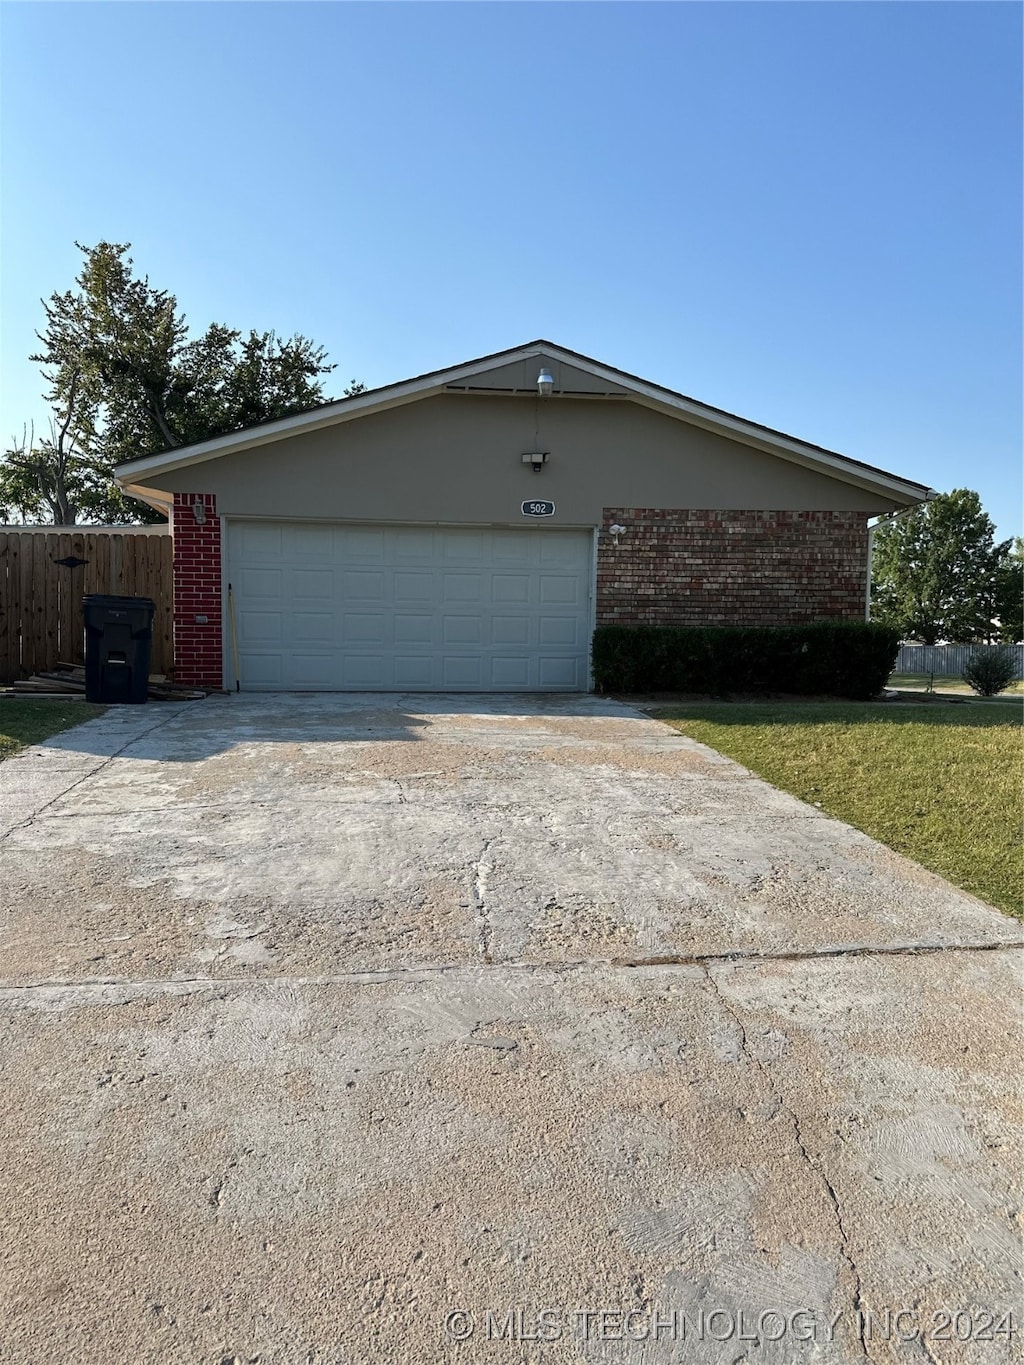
198, 635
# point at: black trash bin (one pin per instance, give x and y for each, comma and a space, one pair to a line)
118, 641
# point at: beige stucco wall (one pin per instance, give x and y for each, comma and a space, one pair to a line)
457, 458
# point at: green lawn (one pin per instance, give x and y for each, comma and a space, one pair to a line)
28, 722
918, 682
941, 784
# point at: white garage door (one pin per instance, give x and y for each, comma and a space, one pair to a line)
395, 608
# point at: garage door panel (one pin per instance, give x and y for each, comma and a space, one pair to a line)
413, 630
252, 583
462, 671
562, 631
414, 545
558, 549
258, 538
414, 670
462, 588
510, 588
462, 545
309, 626
310, 542
342, 607
261, 670
312, 670
510, 630
316, 584
360, 585
512, 547
461, 630
414, 587
361, 628
259, 627
554, 672
360, 542
510, 672
365, 670
562, 588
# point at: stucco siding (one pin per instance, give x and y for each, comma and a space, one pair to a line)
458, 458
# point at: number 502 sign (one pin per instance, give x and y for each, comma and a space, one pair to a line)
538, 509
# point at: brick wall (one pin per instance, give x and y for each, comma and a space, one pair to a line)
698, 567
198, 645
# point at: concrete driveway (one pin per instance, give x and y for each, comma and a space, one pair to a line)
341, 1029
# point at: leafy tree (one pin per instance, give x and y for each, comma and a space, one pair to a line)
1009, 594
125, 380
935, 571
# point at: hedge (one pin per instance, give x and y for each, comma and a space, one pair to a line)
833, 658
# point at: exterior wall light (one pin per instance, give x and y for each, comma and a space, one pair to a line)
615, 531
198, 513
545, 384
537, 459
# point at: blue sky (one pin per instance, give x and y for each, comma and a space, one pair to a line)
808, 214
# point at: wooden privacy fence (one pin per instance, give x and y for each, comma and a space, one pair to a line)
44, 574
947, 661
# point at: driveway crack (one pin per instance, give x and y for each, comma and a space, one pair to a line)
754, 955
478, 888
815, 1166
93, 772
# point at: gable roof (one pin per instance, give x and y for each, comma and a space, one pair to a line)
513, 372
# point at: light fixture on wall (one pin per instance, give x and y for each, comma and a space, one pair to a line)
198, 513
545, 384
537, 459
616, 531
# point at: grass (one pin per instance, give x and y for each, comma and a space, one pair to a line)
918, 682
941, 785
29, 722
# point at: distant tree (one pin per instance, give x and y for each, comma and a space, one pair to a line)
935, 571
1009, 594
51, 479
124, 380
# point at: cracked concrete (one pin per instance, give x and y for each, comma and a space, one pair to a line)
858, 1315
328, 1017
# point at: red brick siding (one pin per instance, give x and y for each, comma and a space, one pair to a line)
198, 649
686, 567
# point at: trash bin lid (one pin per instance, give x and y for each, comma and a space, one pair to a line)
112, 600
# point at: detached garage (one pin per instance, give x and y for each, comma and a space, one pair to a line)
466, 530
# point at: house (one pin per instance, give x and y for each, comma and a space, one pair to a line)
467, 529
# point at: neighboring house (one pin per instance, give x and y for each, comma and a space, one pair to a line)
458, 531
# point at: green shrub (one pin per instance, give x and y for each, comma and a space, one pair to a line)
990, 669
835, 658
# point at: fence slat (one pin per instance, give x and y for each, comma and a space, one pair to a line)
41, 618
83, 580
29, 617
50, 611
37, 632
10, 630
